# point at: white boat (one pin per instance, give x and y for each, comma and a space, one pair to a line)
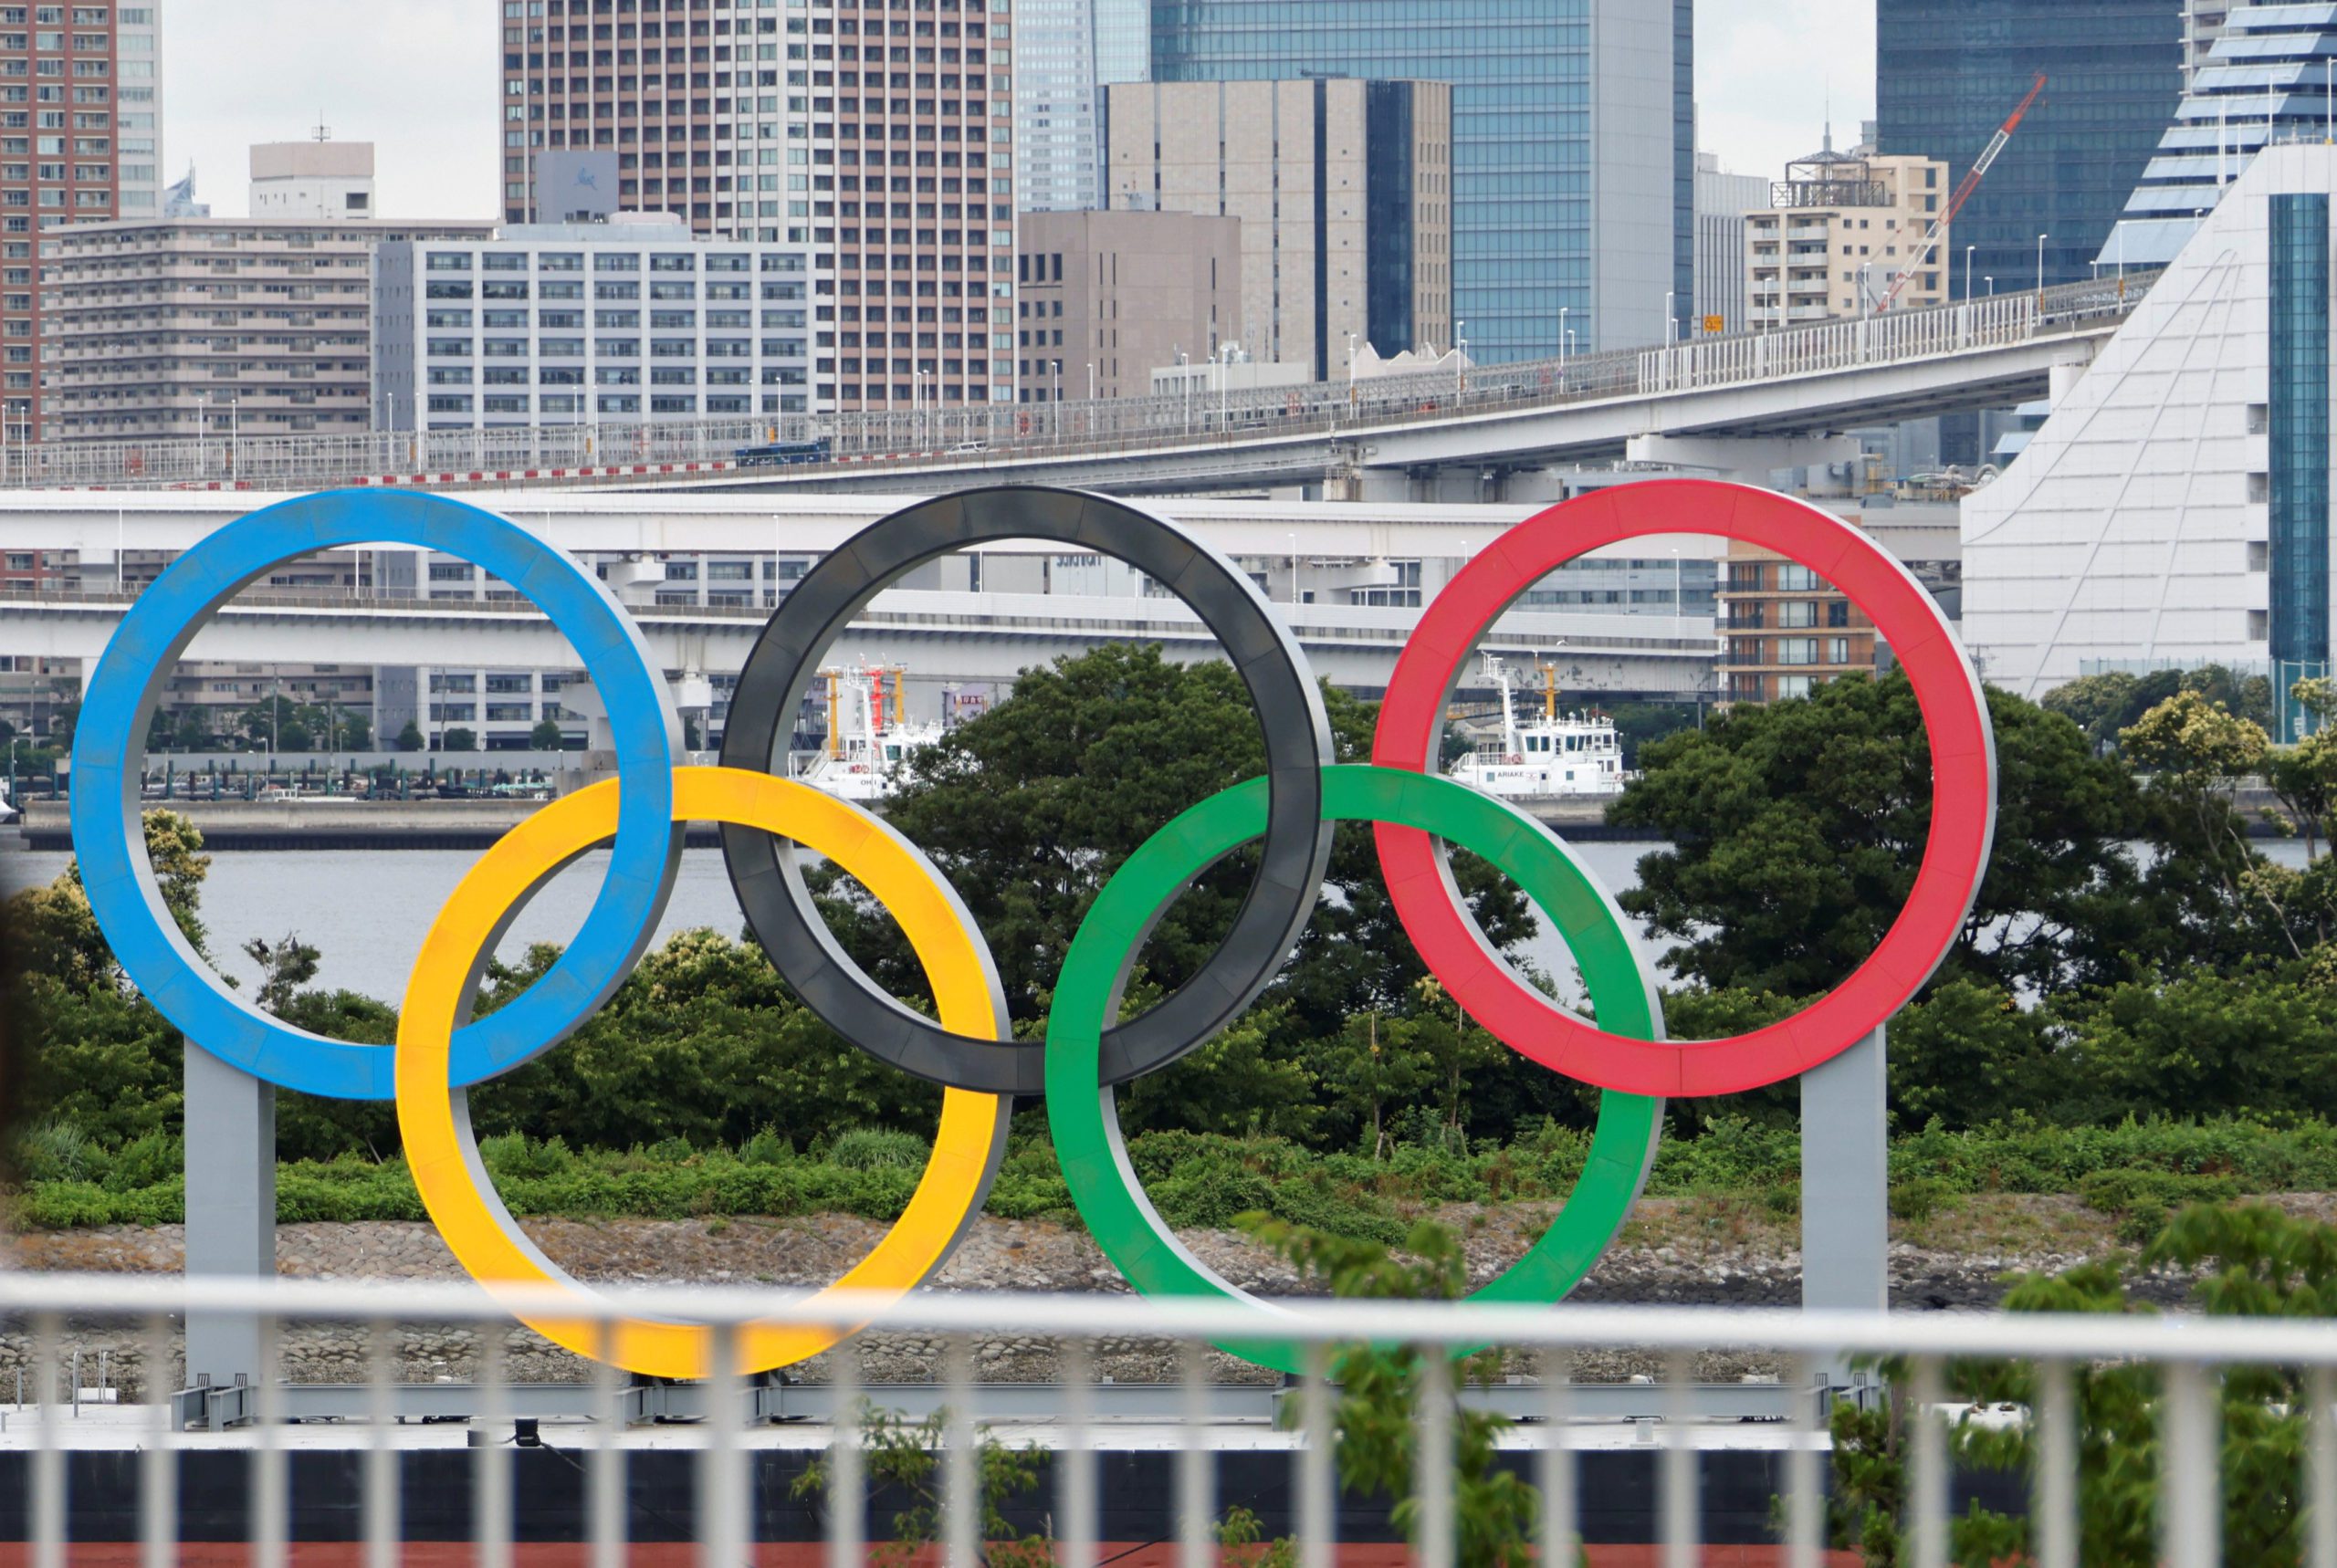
870, 734
1558, 755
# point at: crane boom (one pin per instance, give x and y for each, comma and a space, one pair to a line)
1963, 189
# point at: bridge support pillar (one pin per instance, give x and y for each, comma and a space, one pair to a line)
1748, 460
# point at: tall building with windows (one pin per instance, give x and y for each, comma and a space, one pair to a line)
2260, 76
1066, 53
80, 110
1840, 229
1573, 143
880, 132
1722, 201
581, 323
1343, 193
1947, 72
186, 328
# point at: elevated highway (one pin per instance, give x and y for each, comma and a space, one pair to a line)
1385, 437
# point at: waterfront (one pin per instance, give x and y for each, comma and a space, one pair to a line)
366, 910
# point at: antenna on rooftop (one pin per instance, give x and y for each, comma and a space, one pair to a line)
323, 131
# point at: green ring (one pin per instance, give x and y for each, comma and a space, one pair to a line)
1084, 1117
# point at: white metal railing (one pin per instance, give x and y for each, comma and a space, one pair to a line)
980, 436
65, 1316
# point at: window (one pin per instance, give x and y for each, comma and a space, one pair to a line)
1793, 577
1796, 651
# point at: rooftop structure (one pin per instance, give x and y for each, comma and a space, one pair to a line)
1842, 228
321, 180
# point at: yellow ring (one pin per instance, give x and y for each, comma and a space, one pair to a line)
436, 1120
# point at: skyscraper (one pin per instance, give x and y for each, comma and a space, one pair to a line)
1067, 52
880, 134
2265, 77
1573, 143
1947, 72
80, 102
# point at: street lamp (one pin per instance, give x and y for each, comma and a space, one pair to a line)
235, 434
1562, 345
1967, 272
1670, 320
1184, 368
1091, 381
2040, 273
202, 407
1293, 569
1990, 279
1461, 348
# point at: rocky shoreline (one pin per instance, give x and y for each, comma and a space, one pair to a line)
1675, 1251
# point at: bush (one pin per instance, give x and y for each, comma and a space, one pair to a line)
879, 1149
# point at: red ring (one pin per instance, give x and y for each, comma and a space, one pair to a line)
1964, 788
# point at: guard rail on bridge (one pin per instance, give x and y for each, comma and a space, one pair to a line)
982, 436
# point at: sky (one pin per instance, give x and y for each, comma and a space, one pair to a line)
419, 80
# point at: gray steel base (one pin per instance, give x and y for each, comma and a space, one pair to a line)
1846, 1186
1259, 1402
230, 1209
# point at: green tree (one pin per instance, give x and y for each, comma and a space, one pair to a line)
1381, 1392
546, 736
458, 739
1029, 809
1796, 828
410, 737
2251, 1261
1371, 1066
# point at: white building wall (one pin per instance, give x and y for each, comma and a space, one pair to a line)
2132, 531
1722, 201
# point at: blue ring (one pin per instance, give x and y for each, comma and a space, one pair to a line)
108, 756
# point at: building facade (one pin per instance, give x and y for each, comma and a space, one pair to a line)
2263, 78
1343, 192
1067, 52
1723, 200
586, 323
1948, 72
882, 135
1785, 630
211, 326
1842, 231
80, 141
1104, 298
317, 182
2174, 508
1572, 142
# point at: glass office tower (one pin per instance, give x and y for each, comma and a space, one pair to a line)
1067, 52
1573, 143
1949, 71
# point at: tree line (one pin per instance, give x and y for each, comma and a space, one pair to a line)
2132, 953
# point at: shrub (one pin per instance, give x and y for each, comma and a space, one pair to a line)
878, 1149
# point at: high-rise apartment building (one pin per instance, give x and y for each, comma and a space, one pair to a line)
183, 328
1949, 71
1572, 142
2262, 76
1343, 192
80, 108
1066, 53
1840, 229
880, 134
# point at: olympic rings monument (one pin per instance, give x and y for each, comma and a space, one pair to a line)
1834, 1045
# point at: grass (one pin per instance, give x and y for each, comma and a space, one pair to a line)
1742, 1178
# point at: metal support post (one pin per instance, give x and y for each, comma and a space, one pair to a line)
230, 1209
1846, 1186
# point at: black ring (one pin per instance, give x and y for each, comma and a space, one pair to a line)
1294, 855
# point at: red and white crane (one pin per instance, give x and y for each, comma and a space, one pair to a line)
1963, 190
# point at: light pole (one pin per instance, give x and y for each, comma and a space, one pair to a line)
1352, 340
1091, 381
1670, 320
1991, 281
1184, 375
1293, 569
1461, 351
235, 433
2040, 274
1562, 345
202, 406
